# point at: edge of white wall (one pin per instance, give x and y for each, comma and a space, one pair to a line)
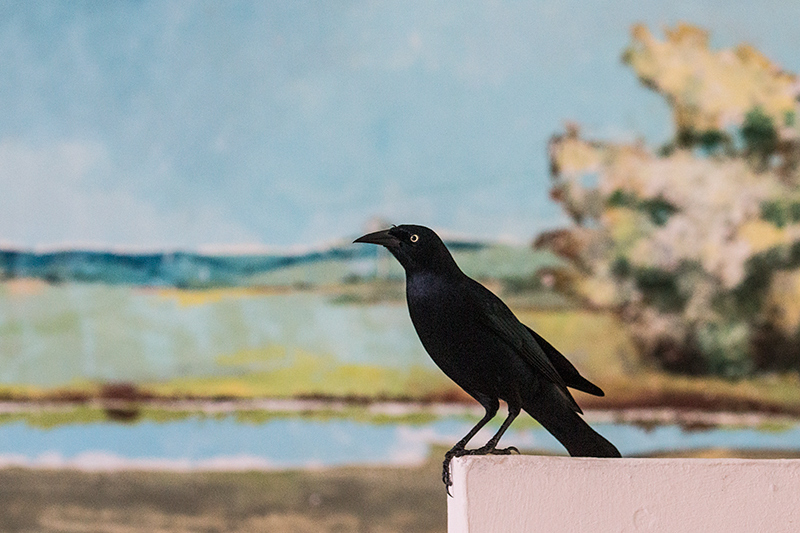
529, 493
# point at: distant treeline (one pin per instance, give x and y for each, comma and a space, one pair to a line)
173, 269
176, 269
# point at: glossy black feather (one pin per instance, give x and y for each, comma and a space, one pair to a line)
478, 342
566, 369
505, 325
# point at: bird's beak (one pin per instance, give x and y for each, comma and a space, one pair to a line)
382, 238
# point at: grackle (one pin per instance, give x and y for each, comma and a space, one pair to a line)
478, 342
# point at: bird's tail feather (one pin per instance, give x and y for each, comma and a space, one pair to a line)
565, 369
567, 426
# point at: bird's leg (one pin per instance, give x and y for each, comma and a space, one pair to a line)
491, 446
459, 449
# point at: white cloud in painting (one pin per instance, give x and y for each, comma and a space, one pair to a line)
59, 194
293, 123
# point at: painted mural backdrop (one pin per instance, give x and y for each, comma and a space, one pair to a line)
180, 185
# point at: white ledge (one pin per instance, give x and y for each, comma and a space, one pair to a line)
528, 493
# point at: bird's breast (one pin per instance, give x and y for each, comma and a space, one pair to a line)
432, 300
440, 314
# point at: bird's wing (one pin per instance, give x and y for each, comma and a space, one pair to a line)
566, 369
502, 322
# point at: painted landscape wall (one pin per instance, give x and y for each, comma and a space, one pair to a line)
189, 340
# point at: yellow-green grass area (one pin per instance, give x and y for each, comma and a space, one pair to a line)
596, 342
650, 389
50, 416
600, 347
341, 499
76, 391
312, 376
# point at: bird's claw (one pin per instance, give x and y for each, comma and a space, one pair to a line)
505, 451
491, 450
446, 478
446, 473
460, 452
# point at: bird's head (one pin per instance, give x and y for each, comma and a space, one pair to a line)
416, 247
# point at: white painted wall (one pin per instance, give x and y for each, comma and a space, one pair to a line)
528, 493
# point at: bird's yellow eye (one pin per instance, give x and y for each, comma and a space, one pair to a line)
414, 238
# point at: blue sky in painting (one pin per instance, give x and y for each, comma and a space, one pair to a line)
183, 124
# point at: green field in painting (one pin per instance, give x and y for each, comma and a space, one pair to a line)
330, 328
338, 340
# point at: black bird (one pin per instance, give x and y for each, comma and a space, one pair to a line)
478, 342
